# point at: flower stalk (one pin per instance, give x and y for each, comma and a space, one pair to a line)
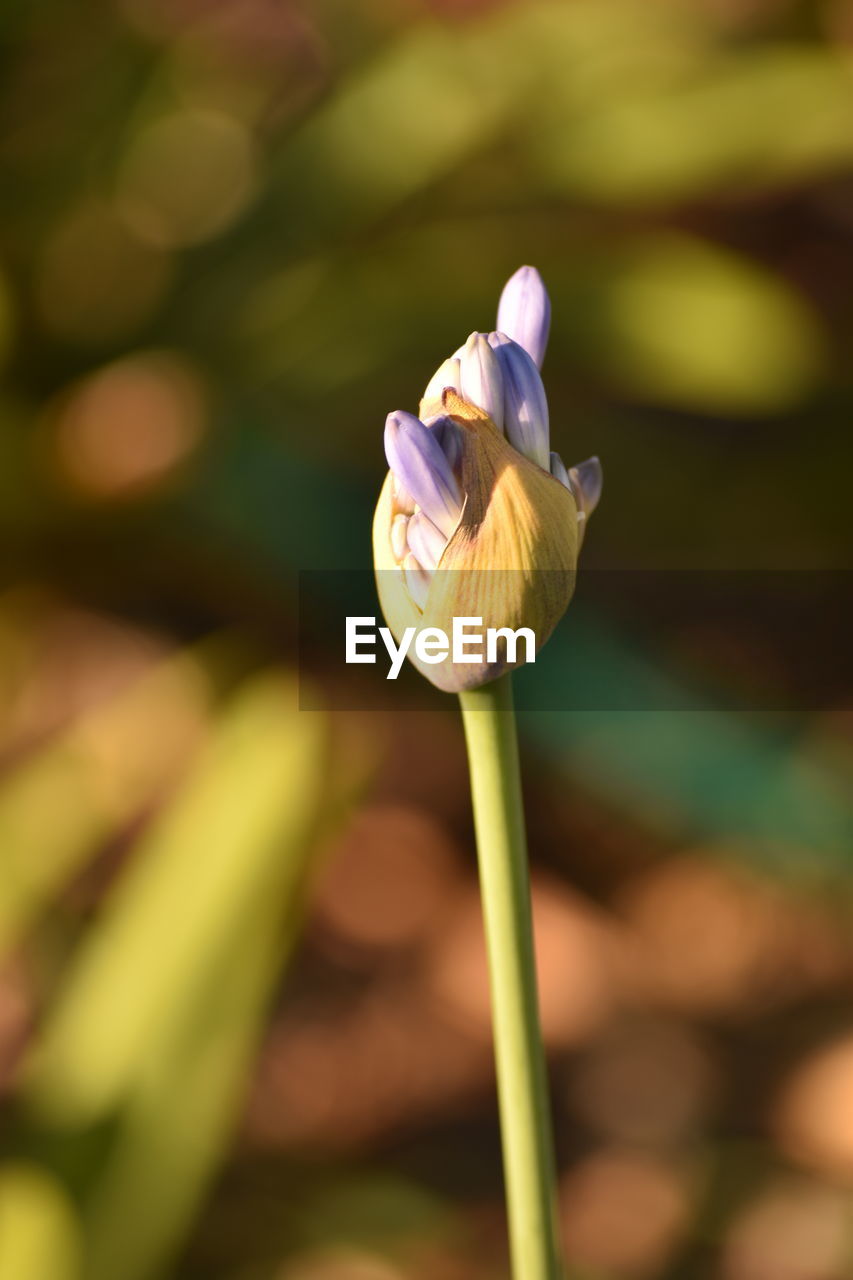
490, 732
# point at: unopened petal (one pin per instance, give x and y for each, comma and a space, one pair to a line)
525, 403
420, 465
482, 379
524, 312
586, 480
448, 436
403, 500
559, 472
417, 580
399, 540
446, 375
426, 541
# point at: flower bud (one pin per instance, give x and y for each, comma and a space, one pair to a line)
510, 559
417, 461
481, 377
586, 480
400, 536
426, 541
524, 312
525, 403
558, 470
448, 436
477, 518
418, 582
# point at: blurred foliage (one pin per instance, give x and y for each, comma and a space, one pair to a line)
233, 235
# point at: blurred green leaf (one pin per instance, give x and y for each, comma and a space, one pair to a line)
62, 803
410, 117
371, 1209
40, 1237
755, 119
181, 1110
681, 322
234, 836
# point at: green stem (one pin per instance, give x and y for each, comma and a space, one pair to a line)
490, 733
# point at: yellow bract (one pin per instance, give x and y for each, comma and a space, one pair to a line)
510, 561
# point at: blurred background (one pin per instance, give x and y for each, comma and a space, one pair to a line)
244, 1030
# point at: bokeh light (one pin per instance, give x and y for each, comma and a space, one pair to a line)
129, 425
186, 177
389, 882
812, 1116
792, 1230
622, 1212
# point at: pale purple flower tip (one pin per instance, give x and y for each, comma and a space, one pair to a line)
449, 436
525, 403
426, 541
524, 312
583, 483
559, 472
421, 466
586, 480
481, 380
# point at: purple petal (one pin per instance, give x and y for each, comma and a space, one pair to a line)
449, 436
426, 541
524, 312
420, 465
559, 472
525, 402
586, 480
482, 382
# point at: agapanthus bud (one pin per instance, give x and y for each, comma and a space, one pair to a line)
419, 464
525, 403
425, 539
448, 435
472, 522
524, 312
481, 378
